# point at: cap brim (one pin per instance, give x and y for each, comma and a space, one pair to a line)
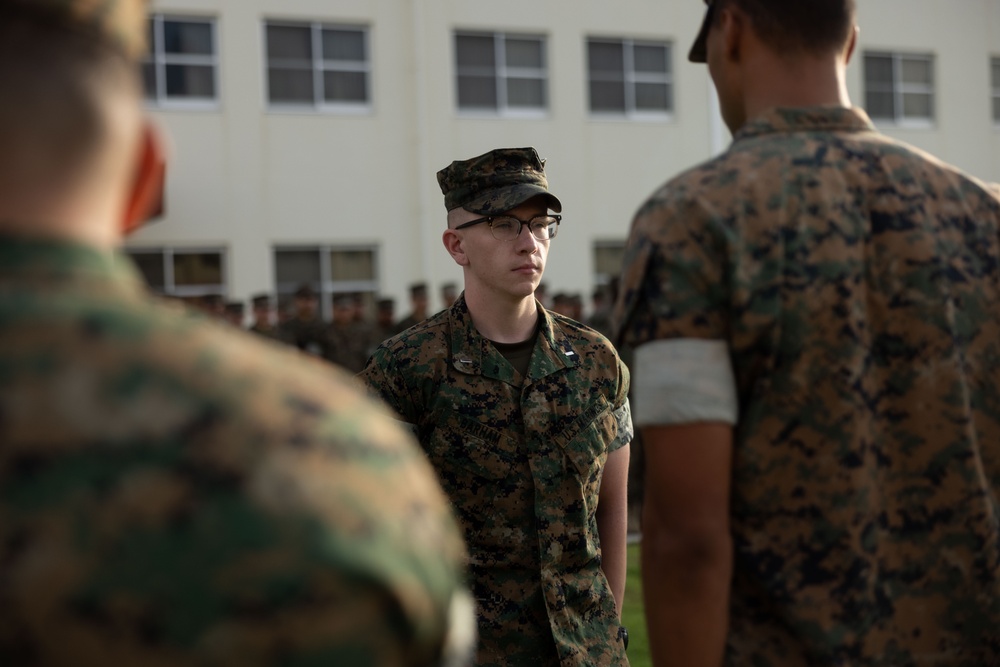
699, 50
504, 199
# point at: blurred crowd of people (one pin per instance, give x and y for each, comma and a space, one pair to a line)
346, 339
359, 322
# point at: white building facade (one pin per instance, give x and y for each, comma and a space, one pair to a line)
305, 134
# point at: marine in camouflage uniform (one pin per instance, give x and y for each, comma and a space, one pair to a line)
832, 295
173, 491
348, 340
418, 300
304, 329
384, 327
262, 325
521, 439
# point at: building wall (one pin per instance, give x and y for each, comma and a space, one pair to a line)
245, 178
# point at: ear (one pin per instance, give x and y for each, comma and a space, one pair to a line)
851, 43
453, 244
145, 198
733, 28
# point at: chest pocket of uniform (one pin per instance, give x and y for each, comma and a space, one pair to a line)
472, 446
585, 442
473, 462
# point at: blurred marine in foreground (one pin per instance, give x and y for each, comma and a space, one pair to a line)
173, 491
816, 315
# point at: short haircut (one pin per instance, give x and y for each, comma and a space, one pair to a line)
54, 81
799, 26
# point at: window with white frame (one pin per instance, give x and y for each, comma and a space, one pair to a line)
630, 78
316, 65
185, 273
608, 257
329, 270
995, 78
182, 64
501, 73
900, 87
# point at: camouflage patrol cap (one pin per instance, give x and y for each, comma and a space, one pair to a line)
699, 50
496, 182
121, 23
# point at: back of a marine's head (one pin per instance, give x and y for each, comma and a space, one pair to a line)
71, 122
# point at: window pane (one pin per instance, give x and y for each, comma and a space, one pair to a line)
203, 268
917, 105
651, 96
916, 71
345, 86
290, 85
477, 92
607, 96
475, 51
150, 265
526, 93
149, 80
188, 37
996, 72
605, 57
650, 58
343, 45
289, 42
352, 265
190, 81
880, 105
608, 259
524, 52
295, 267
878, 70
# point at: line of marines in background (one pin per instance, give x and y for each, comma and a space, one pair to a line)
351, 334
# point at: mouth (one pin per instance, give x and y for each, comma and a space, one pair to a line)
526, 268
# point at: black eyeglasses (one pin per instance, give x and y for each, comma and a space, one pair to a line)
508, 228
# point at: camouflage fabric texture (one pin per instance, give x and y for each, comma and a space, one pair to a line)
496, 182
856, 282
176, 492
522, 461
120, 22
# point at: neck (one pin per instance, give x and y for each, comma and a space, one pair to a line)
77, 224
503, 320
795, 82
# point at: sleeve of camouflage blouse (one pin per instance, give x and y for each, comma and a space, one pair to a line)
622, 410
673, 311
387, 384
382, 538
674, 281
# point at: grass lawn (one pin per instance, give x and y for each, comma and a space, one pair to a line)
634, 615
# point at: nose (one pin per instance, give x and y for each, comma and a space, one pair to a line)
525, 240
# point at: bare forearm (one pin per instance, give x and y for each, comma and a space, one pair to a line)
686, 593
613, 526
612, 522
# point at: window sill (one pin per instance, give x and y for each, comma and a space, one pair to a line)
197, 105
505, 114
320, 110
905, 123
602, 117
